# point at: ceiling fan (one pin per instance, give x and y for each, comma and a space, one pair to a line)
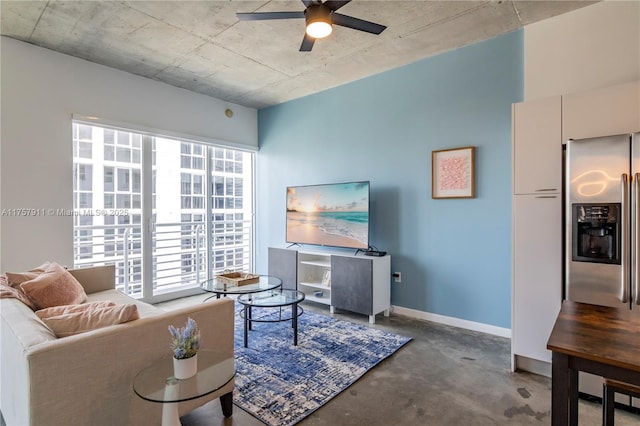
320, 17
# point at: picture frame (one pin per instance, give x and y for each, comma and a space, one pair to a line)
326, 279
453, 173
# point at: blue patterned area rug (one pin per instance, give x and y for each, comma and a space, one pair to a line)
281, 384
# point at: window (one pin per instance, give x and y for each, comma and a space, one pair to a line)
198, 201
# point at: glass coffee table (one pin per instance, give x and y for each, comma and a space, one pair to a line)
219, 288
278, 298
156, 383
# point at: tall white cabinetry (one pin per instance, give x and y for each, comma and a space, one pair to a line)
539, 129
355, 283
537, 229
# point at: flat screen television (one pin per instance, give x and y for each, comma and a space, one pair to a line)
334, 215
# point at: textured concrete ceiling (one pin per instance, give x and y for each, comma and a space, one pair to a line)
203, 47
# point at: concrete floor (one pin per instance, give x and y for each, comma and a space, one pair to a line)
444, 376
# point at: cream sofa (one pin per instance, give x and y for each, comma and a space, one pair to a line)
87, 379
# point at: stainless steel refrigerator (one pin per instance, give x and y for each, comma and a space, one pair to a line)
602, 199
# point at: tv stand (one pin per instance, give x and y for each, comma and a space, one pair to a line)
352, 282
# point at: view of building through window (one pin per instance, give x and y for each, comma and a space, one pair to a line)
167, 213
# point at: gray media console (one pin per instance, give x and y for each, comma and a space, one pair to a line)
355, 283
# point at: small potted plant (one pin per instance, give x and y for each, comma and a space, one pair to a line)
185, 343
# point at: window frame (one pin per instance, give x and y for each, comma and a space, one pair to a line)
207, 154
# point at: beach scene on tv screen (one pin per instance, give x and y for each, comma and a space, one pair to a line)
332, 215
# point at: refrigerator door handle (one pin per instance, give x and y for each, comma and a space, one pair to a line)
624, 251
635, 289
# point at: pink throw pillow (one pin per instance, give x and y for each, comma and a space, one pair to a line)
54, 287
71, 309
17, 278
87, 320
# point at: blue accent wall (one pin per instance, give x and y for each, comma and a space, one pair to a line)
454, 254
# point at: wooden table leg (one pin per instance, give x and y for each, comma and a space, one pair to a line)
226, 402
573, 396
559, 389
608, 405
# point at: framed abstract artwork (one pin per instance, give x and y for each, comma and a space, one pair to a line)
452, 173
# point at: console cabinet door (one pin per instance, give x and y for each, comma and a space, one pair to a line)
283, 263
351, 284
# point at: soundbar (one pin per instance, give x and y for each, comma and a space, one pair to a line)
374, 253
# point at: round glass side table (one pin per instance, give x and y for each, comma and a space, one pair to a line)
278, 298
156, 383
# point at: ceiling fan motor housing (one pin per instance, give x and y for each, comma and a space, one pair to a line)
317, 13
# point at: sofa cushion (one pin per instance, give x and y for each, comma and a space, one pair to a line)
54, 287
82, 318
144, 309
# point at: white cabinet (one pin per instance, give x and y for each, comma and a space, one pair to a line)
355, 283
608, 111
537, 146
537, 229
537, 272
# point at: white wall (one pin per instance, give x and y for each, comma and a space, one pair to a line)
40, 91
595, 46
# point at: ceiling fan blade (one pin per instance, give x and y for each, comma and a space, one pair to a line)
261, 16
307, 43
336, 4
357, 24
308, 3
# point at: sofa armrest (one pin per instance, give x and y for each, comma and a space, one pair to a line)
95, 370
96, 278
14, 381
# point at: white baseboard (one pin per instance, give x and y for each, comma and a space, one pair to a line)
454, 322
531, 365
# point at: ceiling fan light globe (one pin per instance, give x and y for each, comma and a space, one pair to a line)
319, 29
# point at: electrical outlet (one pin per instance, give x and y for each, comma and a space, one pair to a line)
397, 276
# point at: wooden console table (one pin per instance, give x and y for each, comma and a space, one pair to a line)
594, 339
